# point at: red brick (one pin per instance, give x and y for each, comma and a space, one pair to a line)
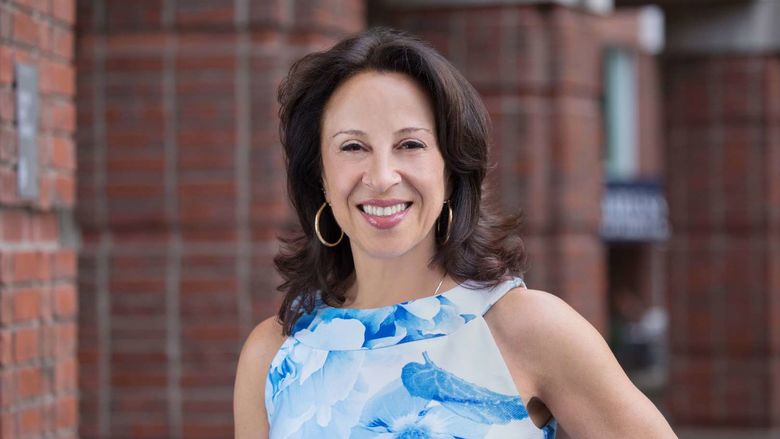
212, 332
13, 225
65, 338
67, 412
39, 41
209, 12
195, 428
44, 191
25, 55
8, 149
30, 421
29, 382
207, 189
6, 65
65, 301
46, 227
27, 304
62, 43
7, 105
8, 181
30, 266
49, 341
225, 62
6, 349
8, 424
116, 190
146, 14
63, 154
138, 379
57, 77
25, 28
6, 306
65, 375
139, 164
772, 98
58, 115
64, 10
64, 264
64, 190
44, 36
41, 5
772, 164
26, 344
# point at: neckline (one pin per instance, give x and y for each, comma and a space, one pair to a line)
344, 329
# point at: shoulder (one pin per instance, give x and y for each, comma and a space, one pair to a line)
570, 367
539, 317
533, 329
264, 340
546, 336
256, 355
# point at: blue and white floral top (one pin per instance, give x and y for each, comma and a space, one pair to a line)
425, 368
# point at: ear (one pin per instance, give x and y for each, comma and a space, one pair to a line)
323, 185
449, 188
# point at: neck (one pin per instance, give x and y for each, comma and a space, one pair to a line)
381, 282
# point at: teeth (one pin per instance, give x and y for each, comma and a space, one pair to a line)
383, 211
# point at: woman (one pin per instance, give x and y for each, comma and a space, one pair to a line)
404, 314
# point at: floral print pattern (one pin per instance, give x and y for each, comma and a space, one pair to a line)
425, 368
344, 329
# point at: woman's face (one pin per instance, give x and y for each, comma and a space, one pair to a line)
383, 174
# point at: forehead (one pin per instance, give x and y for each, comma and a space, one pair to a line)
378, 100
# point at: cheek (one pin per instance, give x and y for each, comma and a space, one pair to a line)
434, 179
332, 176
342, 183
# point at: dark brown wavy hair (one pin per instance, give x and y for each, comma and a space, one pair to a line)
483, 246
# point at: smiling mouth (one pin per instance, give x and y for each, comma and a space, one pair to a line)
383, 211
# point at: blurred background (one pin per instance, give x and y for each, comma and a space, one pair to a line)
142, 187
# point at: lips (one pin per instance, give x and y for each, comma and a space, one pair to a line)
377, 217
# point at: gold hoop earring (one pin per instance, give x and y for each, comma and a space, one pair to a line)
317, 228
449, 222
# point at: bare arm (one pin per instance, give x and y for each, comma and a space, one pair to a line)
249, 415
573, 371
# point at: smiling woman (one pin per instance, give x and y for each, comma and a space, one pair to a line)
405, 312
385, 185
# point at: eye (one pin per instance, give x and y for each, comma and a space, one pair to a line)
411, 144
351, 147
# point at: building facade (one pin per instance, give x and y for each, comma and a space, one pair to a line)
142, 188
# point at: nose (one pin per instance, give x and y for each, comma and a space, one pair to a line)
382, 173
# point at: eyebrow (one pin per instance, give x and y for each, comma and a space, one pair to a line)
401, 131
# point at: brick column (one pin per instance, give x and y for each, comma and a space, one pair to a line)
723, 117
181, 195
38, 368
724, 173
536, 65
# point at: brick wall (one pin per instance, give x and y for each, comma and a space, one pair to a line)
724, 176
180, 198
38, 368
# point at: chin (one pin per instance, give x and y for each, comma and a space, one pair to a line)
389, 249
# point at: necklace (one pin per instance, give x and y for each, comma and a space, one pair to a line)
436, 293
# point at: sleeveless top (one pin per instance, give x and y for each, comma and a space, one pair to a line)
425, 368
